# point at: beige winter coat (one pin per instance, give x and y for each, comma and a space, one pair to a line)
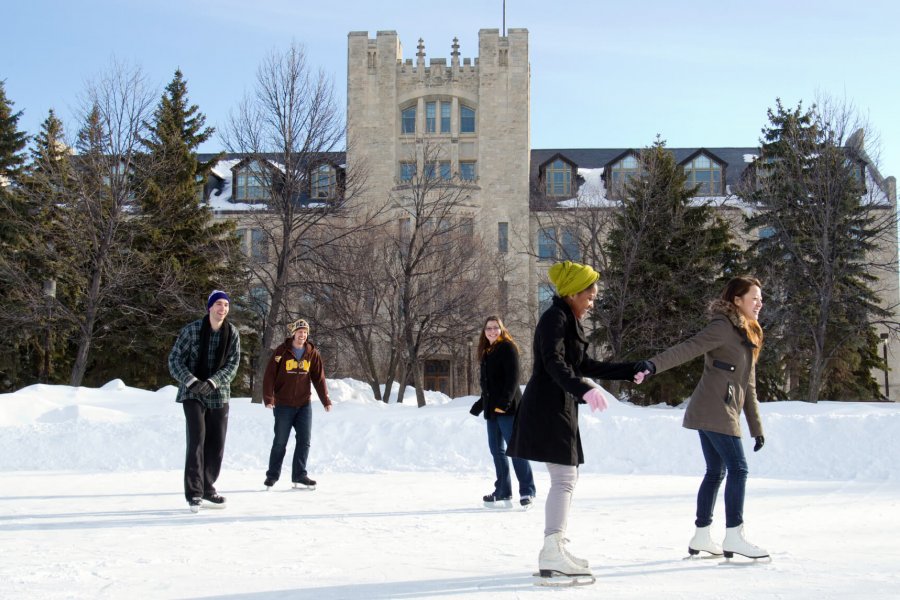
728, 384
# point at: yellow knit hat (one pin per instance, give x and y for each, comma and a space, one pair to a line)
571, 278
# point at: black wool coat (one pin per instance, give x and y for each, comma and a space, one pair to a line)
500, 372
546, 426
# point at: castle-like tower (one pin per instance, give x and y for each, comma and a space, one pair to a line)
475, 113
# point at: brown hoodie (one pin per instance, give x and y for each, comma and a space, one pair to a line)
728, 384
289, 382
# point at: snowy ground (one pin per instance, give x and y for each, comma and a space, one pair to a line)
91, 504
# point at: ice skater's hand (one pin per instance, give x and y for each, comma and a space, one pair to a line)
640, 376
594, 398
760, 440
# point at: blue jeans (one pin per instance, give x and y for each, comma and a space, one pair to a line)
499, 430
286, 418
722, 452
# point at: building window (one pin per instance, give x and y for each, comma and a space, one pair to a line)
503, 292
467, 170
405, 229
546, 291
558, 176
259, 300
466, 119
437, 376
445, 117
620, 173
408, 120
467, 227
249, 184
407, 171
430, 117
547, 243
444, 168
706, 173
558, 244
259, 247
323, 182
430, 171
503, 237
242, 238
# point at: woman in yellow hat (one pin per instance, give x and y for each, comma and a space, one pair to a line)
546, 427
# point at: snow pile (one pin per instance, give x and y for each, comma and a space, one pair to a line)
119, 428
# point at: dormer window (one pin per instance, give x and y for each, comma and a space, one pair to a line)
706, 173
249, 184
558, 178
324, 182
620, 173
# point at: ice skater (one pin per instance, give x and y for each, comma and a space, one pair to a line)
293, 370
546, 427
204, 360
500, 396
731, 343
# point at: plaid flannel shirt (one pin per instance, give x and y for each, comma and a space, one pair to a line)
183, 357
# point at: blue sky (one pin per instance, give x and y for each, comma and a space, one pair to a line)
604, 74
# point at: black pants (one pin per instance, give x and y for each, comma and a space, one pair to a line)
206, 429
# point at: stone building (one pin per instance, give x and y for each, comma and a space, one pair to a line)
469, 120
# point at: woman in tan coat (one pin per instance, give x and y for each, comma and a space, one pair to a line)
730, 345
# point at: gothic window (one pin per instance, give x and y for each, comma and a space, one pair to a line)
503, 237
445, 117
466, 119
430, 117
408, 120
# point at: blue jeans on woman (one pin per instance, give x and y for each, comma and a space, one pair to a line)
286, 418
722, 453
499, 430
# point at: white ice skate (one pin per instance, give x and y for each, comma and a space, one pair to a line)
736, 544
703, 542
556, 569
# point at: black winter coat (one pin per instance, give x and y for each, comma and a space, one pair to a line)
500, 372
546, 426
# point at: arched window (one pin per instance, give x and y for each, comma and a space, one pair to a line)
558, 178
706, 173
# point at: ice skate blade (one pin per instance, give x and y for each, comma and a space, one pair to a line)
550, 578
301, 487
500, 504
751, 559
695, 555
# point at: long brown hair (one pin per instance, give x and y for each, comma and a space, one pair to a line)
735, 288
484, 343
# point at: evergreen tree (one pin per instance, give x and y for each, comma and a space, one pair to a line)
12, 211
185, 253
817, 232
667, 257
48, 257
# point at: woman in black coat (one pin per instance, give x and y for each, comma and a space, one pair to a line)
499, 400
546, 426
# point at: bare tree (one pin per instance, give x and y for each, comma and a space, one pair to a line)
290, 130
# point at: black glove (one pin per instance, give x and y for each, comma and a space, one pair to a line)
477, 407
202, 388
645, 365
760, 440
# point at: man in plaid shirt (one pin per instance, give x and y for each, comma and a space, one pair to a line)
204, 389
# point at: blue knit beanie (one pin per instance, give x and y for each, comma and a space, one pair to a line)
216, 295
